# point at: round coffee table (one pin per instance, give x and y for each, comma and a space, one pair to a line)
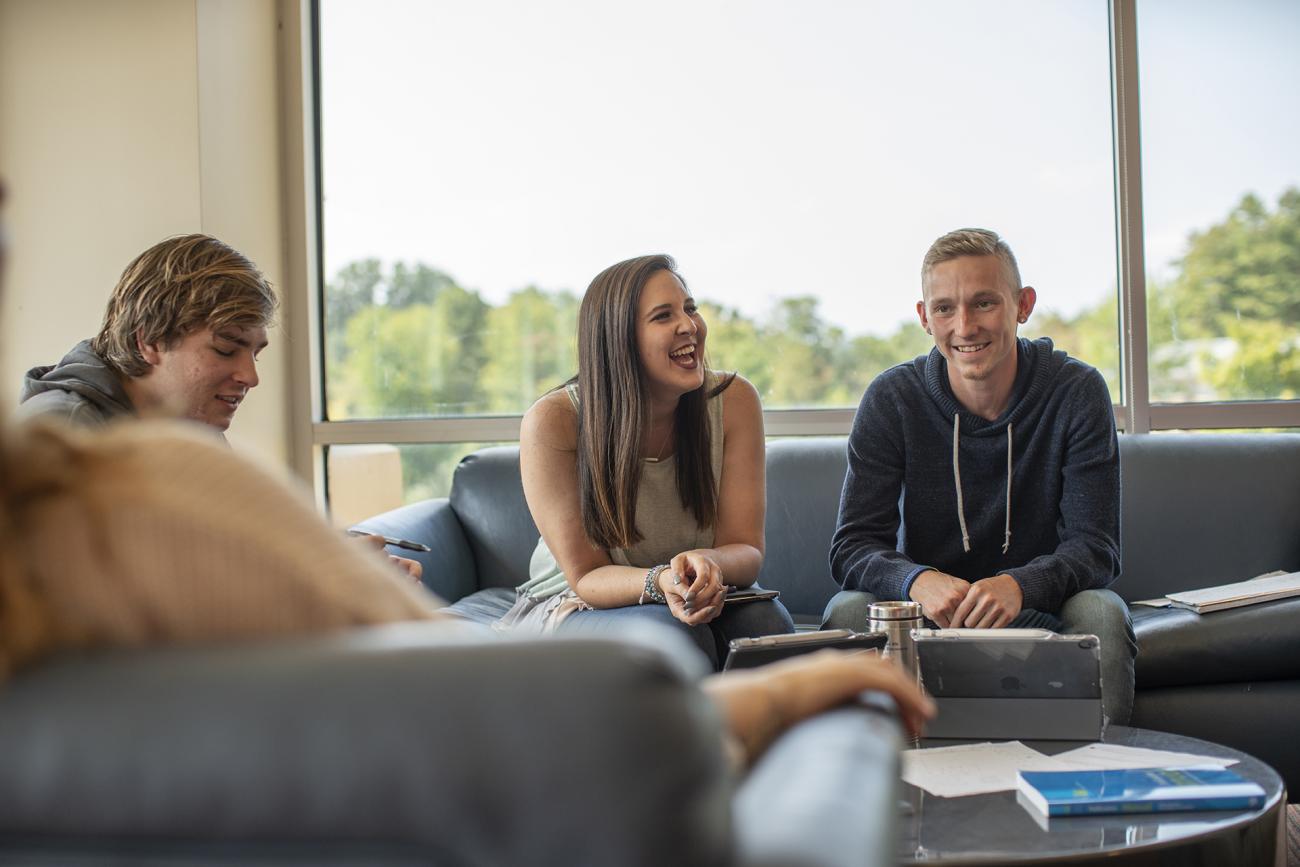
995, 829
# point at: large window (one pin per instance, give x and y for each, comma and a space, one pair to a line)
1220, 126
480, 162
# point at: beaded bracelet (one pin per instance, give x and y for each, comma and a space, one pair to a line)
651, 590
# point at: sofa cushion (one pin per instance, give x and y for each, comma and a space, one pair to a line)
1177, 647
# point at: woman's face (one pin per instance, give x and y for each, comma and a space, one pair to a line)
669, 337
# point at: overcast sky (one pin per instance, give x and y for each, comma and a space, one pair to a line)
782, 148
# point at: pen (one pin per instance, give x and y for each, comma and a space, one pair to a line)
405, 544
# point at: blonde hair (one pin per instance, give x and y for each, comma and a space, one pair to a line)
177, 287
37, 461
972, 242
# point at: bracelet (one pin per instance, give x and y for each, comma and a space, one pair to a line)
651, 590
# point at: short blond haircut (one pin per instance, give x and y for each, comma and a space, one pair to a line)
972, 242
175, 288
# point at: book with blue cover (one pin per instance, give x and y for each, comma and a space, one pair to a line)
1141, 790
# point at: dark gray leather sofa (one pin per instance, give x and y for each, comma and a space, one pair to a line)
1197, 510
416, 744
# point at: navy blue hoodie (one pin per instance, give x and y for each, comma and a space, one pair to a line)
1055, 530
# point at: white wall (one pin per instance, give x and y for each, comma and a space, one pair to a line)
121, 123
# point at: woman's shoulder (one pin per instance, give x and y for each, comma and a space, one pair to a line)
552, 419
735, 391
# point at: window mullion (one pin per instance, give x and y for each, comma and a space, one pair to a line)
1136, 399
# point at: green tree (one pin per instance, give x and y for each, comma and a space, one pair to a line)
534, 347
804, 350
1228, 320
415, 361
353, 289
736, 342
415, 284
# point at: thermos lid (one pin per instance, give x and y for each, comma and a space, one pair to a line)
894, 611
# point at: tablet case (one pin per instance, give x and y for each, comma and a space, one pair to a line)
1011, 684
752, 652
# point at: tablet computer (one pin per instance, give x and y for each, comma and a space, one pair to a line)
1011, 684
751, 652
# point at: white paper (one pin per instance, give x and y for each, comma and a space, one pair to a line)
1264, 587
1113, 757
973, 769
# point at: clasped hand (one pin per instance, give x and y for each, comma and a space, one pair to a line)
954, 603
693, 587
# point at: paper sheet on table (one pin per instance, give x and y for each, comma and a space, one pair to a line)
973, 769
1113, 757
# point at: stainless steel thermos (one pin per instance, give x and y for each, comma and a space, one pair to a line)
897, 620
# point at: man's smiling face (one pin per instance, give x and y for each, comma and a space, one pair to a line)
205, 375
973, 312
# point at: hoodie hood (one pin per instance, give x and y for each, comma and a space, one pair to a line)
83, 373
1037, 363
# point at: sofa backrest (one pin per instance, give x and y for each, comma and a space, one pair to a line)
804, 478
1196, 510
488, 497
1205, 509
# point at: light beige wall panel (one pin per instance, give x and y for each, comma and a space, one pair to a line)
99, 147
239, 166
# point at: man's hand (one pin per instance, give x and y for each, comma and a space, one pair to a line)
990, 603
940, 595
411, 568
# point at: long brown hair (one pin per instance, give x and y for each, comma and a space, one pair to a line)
613, 411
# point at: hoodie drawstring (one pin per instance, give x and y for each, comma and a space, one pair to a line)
956, 475
1006, 542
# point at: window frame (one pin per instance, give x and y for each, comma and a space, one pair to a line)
313, 433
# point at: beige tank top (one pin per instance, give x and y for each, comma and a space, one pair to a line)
666, 527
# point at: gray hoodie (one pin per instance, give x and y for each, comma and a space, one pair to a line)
80, 389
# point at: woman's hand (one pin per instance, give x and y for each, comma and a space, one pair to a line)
693, 586
758, 704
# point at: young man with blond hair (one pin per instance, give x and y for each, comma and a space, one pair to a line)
983, 478
180, 339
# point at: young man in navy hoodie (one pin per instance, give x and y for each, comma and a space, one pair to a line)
983, 478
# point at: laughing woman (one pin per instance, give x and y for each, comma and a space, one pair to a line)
645, 474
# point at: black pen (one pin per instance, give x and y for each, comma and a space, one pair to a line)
405, 544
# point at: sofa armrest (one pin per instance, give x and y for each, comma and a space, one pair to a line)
449, 569
455, 749
824, 795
